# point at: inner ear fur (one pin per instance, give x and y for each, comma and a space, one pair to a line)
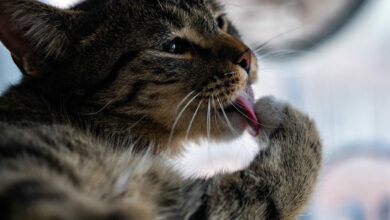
34, 33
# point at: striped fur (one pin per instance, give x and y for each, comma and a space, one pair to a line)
103, 98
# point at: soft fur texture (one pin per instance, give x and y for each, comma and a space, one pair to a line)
112, 85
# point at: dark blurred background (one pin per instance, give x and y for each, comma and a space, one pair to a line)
331, 59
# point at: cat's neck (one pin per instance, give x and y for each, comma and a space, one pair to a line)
139, 133
21, 105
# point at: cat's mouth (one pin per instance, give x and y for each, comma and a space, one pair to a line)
244, 105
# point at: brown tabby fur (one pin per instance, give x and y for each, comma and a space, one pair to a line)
102, 99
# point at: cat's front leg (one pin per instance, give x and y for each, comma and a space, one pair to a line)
279, 182
27, 195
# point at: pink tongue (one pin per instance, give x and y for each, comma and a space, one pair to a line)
245, 101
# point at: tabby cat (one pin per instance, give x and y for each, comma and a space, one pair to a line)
111, 87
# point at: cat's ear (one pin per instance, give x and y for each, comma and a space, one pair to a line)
34, 33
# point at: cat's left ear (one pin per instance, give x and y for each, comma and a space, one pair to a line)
34, 33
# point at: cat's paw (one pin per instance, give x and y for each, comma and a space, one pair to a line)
270, 113
275, 115
281, 122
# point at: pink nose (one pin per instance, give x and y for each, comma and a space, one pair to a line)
245, 59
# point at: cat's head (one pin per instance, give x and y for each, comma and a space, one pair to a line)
164, 69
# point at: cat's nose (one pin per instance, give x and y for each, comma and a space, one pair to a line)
244, 59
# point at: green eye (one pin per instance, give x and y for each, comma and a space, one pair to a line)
177, 46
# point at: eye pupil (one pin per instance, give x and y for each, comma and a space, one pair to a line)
220, 22
177, 46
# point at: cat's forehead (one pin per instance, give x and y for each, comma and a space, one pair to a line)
190, 19
182, 11
187, 5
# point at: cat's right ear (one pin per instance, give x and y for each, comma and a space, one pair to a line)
34, 33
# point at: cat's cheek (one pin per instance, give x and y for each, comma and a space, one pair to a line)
237, 126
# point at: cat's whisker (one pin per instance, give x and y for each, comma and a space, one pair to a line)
243, 114
100, 110
137, 122
178, 117
215, 111
259, 48
226, 118
281, 53
229, 73
192, 120
208, 119
184, 99
159, 3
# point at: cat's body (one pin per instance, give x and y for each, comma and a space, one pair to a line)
110, 86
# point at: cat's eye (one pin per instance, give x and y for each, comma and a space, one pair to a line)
221, 22
177, 46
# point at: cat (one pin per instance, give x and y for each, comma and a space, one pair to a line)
111, 87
